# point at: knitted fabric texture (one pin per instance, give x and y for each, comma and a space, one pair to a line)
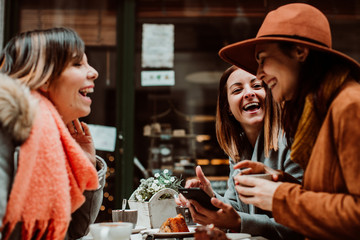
52, 174
310, 124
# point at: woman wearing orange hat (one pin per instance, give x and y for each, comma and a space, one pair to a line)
320, 95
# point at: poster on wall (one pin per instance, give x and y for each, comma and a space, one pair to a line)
157, 46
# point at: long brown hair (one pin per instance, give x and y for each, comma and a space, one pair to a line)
317, 67
229, 132
38, 56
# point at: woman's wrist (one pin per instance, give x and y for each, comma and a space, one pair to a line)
237, 226
92, 159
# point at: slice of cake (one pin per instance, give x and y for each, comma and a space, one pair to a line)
175, 224
209, 232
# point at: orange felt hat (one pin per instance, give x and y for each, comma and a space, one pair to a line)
298, 23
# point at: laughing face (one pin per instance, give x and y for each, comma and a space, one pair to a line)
278, 70
246, 97
69, 92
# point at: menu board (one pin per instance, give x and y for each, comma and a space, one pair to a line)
157, 46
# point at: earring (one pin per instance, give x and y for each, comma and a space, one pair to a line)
45, 86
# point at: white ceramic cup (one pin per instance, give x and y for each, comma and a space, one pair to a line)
266, 176
111, 230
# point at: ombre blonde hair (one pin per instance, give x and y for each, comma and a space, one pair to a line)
40, 56
229, 132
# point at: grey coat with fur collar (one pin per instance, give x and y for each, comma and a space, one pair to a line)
17, 111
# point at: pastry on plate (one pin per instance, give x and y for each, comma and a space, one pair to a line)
175, 224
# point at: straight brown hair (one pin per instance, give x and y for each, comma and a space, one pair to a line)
38, 56
230, 134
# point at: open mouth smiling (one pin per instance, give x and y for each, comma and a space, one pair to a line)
85, 91
251, 106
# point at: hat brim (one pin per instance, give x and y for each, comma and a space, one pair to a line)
242, 54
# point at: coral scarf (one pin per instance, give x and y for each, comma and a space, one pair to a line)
309, 124
52, 174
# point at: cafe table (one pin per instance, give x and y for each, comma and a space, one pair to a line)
138, 236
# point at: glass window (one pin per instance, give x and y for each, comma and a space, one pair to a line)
174, 125
201, 29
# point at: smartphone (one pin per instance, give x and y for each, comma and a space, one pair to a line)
198, 195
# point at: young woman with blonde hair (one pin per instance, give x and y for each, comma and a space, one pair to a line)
52, 188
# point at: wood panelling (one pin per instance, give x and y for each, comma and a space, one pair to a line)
199, 8
95, 27
98, 26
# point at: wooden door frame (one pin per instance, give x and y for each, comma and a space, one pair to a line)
125, 89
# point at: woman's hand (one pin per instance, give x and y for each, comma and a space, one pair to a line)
256, 191
258, 167
202, 182
81, 133
181, 200
225, 217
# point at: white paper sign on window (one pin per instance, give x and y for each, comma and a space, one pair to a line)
104, 137
157, 46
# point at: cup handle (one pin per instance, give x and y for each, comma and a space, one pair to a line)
149, 237
187, 215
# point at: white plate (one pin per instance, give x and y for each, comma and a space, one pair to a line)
155, 232
138, 229
235, 236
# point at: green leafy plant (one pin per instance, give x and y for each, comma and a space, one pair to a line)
148, 187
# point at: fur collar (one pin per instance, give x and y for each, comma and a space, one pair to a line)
18, 108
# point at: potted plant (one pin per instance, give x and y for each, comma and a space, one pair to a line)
154, 199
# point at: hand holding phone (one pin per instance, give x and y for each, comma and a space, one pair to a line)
198, 195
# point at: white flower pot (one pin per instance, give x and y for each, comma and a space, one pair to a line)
153, 213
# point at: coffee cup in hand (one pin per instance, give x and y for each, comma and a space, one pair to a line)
266, 176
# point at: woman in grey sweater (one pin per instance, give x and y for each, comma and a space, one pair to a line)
247, 129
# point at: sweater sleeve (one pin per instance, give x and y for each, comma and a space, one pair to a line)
284, 163
6, 171
317, 214
263, 225
87, 213
230, 196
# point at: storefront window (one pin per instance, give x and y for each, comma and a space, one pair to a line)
201, 29
174, 126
